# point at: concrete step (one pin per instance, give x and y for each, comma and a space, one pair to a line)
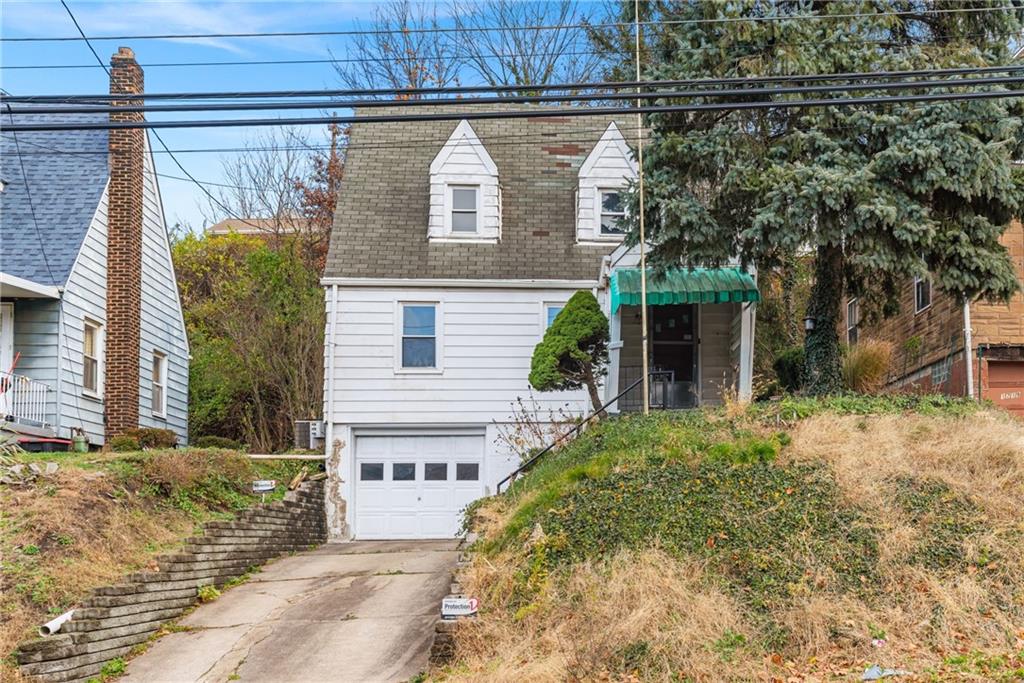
260, 526
257, 533
196, 565
71, 649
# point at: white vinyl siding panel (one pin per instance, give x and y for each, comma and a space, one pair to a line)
85, 297
610, 166
163, 327
488, 341
464, 162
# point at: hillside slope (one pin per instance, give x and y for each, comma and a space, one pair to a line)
102, 515
800, 540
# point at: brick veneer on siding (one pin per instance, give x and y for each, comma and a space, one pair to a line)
124, 251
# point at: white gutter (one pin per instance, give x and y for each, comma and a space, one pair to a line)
14, 286
477, 283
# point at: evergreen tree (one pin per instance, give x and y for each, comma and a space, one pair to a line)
879, 192
574, 351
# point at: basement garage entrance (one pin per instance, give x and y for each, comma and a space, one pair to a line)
415, 485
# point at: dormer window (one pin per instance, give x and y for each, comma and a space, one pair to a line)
612, 212
465, 198
603, 178
465, 209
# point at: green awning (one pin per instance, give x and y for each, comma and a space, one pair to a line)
683, 286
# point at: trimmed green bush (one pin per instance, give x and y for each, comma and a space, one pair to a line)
789, 368
151, 437
212, 441
124, 444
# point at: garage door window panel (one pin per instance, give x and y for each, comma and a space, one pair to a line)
403, 471
467, 471
435, 471
371, 471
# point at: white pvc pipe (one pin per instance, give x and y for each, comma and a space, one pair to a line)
51, 627
968, 354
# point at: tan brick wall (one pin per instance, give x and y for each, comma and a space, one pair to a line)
124, 251
1003, 323
922, 340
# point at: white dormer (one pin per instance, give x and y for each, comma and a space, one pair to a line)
465, 198
603, 177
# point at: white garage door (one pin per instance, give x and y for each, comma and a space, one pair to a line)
415, 486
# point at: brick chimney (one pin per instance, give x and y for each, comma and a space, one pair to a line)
124, 250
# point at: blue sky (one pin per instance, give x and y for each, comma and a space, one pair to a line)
181, 199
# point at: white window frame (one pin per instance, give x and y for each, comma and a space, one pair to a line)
599, 213
99, 341
931, 294
852, 322
450, 210
161, 357
438, 337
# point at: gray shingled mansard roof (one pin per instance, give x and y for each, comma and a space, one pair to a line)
380, 225
63, 192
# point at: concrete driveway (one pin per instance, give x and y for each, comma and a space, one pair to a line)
361, 611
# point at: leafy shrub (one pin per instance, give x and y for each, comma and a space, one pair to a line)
789, 368
124, 444
189, 476
866, 366
151, 437
208, 593
212, 441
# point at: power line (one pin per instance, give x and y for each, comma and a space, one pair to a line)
156, 134
539, 112
459, 55
490, 29
528, 99
407, 94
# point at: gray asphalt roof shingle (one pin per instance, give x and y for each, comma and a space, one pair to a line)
63, 192
380, 225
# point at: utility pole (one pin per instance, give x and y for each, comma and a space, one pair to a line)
643, 245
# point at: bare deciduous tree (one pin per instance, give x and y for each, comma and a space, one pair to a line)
259, 184
503, 41
401, 51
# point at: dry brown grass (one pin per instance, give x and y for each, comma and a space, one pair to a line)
866, 366
80, 531
582, 619
583, 625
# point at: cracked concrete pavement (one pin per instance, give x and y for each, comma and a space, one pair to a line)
361, 611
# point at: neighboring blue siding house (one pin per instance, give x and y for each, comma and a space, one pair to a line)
55, 344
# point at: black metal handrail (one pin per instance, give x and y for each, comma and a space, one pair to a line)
576, 428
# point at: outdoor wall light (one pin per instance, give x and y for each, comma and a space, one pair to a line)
809, 323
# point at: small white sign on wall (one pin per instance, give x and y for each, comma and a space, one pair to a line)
263, 485
453, 608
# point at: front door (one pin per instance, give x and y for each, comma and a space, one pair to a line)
674, 350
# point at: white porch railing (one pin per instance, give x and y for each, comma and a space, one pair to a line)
23, 400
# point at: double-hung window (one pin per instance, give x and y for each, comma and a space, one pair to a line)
419, 336
852, 320
922, 293
158, 391
465, 208
92, 357
612, 212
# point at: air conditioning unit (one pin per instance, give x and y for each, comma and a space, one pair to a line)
309, 434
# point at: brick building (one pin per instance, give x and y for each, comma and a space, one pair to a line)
929, 333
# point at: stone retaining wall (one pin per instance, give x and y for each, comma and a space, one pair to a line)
116, 618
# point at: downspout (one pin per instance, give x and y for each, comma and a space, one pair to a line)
332, 327
968, 344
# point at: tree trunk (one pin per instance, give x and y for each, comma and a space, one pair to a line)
822, 358
595, 395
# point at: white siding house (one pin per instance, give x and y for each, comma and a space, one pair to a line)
53, 287
445, 268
